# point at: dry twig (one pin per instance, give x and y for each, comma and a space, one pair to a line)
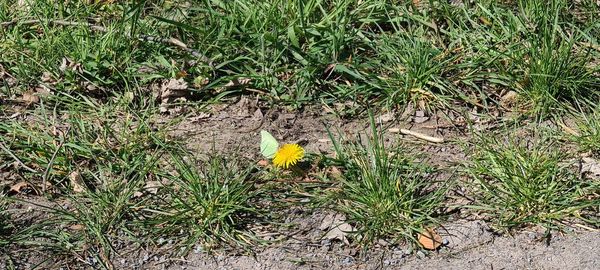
417, 135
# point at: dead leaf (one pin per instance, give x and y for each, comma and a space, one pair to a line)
173, 88
338, 228
43, 90
47, 77
420, 117
92, 88
20, 187
430, 239
30, 98
386, 117
263, 163
181, 74
200, 116
327, 222
151, 187
590, 167
339, 232
75, 179
77, 227
68, 64
238, 82
509, 99
258, 114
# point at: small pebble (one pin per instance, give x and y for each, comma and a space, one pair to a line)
382, 242
445, 242
420, 255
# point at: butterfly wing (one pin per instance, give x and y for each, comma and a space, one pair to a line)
268, 144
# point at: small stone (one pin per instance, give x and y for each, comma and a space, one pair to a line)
532, 236
386, 117
445, 242
420, 255
382, 242
408, 251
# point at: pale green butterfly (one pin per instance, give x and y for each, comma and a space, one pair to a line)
268, 144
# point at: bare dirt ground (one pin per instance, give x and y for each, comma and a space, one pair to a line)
469, 242
471, 245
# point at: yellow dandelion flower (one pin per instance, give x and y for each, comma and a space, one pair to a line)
288, 155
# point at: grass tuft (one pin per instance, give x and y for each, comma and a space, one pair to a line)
385, 193
93, 136
417, 70
519, 183
206, 203
587, 136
